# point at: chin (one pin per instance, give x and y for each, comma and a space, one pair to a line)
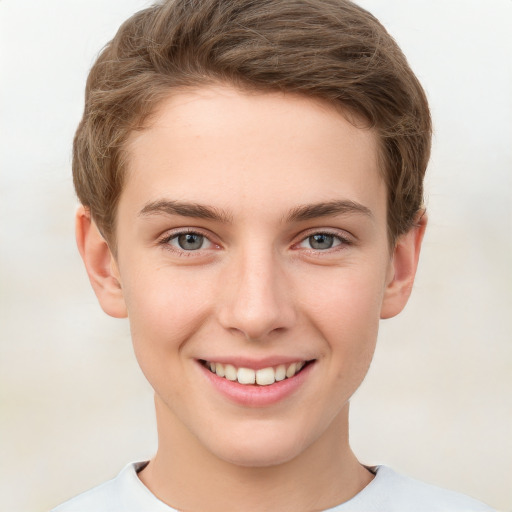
259, 458
258, 451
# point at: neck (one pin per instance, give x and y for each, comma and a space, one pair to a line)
186, 476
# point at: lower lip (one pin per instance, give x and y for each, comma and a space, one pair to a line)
252, 395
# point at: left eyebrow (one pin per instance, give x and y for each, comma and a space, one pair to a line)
185, 209
326, 209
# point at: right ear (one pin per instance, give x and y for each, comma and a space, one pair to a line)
100, 264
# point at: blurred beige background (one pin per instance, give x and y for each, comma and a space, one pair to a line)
437, 402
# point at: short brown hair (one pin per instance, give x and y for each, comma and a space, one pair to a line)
328, 49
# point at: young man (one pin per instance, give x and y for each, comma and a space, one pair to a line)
250, 175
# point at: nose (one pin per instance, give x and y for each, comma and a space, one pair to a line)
257, 298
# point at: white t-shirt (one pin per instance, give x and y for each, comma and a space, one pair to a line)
387, 492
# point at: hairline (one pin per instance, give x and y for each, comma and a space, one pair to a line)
145, 121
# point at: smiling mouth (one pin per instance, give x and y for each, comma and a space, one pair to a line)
261, 377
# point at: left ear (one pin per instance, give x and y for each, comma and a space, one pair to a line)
402, 270
100, 265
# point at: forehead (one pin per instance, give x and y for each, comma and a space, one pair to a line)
237, 150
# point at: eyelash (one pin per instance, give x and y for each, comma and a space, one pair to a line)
165, 242
343, 241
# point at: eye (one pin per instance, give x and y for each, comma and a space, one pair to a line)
322, 241
189, 241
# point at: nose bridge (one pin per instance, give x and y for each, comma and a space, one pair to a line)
257, 302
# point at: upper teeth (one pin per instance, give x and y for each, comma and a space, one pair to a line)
263, 377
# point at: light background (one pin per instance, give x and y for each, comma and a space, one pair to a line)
437, 402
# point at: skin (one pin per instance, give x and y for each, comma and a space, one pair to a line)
257, 288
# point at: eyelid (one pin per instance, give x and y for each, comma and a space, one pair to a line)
344, 238
169, 235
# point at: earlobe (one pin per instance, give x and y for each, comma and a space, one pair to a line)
403, 267
100, 264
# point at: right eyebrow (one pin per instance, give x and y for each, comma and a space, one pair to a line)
185, 209
326, 209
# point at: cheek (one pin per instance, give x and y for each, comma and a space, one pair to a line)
348, 300
346, 313
165, 309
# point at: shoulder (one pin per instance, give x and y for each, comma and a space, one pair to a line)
388, 491
102, 497
124, 493
393, 492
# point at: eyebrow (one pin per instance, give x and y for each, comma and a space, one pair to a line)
326, 209
196, 210
300, 213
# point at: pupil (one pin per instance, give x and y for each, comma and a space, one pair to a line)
190, 241
321, 241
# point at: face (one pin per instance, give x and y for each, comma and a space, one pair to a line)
253, 262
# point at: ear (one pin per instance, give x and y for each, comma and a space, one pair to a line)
100, 264
402, 269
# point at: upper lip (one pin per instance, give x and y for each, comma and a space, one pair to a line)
256, 364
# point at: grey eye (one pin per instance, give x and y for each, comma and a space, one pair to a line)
190, 241
321, 241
